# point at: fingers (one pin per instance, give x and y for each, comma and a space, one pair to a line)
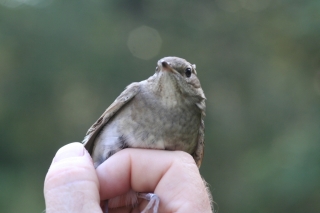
119, 172
71, 184
172, 175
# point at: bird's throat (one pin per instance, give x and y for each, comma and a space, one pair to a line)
168, 89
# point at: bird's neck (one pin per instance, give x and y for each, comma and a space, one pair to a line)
167, 90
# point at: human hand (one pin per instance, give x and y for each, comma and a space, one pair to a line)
73, 185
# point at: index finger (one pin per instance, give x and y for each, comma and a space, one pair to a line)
172, 175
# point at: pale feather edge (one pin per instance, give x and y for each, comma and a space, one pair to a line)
107, 115
199, 152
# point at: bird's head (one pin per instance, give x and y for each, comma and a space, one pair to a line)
175, 73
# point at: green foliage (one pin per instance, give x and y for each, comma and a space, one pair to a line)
63, 62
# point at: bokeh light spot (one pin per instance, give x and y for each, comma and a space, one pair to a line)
144, 42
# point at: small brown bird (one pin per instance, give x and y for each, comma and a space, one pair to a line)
166, 111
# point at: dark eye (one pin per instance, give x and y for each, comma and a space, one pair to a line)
188, 72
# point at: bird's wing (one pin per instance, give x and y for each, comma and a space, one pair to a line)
199, 151
121, 100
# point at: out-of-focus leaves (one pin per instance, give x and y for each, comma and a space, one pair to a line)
63, 62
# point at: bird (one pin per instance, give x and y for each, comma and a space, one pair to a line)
165, 111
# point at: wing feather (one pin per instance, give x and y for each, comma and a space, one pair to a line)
127, 95
199, 151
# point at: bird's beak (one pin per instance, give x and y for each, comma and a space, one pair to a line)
165, 66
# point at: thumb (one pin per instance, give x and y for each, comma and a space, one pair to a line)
71, 184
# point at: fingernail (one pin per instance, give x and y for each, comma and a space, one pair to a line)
69, 151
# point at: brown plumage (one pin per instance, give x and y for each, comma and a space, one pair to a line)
166, 111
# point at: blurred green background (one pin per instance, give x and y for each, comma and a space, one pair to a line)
63, 62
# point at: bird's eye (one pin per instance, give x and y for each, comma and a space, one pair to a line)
188, 72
